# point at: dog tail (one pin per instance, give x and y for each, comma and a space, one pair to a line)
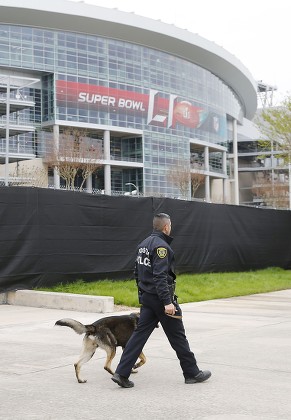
75, 325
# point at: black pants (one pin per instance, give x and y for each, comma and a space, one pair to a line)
152, 312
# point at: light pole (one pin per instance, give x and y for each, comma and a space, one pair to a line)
136, 188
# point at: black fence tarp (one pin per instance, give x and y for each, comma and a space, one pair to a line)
48, 236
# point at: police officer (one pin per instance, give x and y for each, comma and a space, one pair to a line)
154, 271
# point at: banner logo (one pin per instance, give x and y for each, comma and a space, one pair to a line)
159, 109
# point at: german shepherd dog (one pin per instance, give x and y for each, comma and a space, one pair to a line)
106, 333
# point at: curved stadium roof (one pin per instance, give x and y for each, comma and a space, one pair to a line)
113, 23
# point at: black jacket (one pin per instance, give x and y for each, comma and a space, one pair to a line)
154, 267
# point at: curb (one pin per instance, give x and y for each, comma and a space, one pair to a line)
54, 300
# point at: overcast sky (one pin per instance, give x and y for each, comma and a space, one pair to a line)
257, 32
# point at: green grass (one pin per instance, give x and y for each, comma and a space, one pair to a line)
190, 287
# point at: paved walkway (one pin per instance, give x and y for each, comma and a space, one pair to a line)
245, 342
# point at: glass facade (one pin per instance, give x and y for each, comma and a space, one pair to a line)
105, 82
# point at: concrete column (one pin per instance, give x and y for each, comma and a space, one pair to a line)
107, 166
207, 178
89, 184
56, 180
7, 133
224, 170
56, 142
235, 164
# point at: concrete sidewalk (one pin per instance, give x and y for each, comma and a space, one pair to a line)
245, 342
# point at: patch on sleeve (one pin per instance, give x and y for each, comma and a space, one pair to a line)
162, 252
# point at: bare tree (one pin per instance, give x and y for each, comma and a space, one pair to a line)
274, 193
179, 175
74, 154
197, 179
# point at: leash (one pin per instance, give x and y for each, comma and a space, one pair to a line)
175, 316
175, 304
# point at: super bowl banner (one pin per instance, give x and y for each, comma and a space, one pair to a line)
158, 109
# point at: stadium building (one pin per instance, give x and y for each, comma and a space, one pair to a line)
161, 103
